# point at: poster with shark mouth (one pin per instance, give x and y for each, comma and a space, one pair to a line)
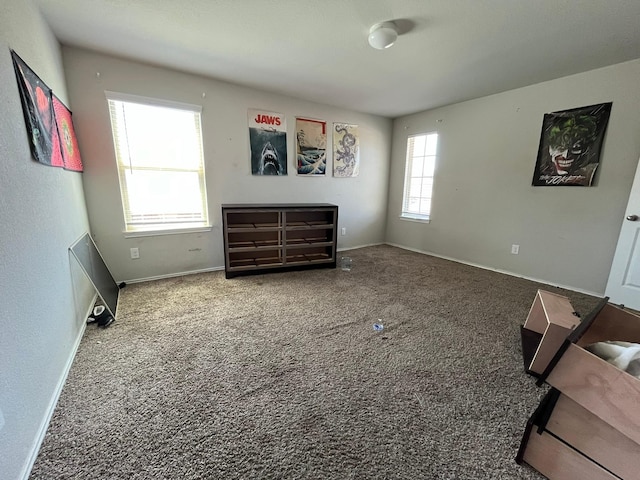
570, 145
268, 143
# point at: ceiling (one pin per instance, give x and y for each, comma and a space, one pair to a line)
448, 50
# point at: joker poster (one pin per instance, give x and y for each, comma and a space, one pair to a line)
268, 143
570, 146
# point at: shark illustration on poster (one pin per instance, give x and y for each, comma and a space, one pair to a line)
268, 143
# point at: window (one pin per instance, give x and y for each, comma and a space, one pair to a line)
418, 180
158, 148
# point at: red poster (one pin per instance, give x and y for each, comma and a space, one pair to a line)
66, 133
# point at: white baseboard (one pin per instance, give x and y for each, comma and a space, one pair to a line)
497, 270
444, 257
171, 275
216, 269
53, 401
359, 246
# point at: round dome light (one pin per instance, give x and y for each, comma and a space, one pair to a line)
383, 35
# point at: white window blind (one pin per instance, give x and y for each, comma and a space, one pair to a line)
158, 148
419, 170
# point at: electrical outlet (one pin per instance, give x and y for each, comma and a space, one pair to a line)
135, 253
515, 249
344, 231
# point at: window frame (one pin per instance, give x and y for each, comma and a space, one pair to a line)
404, 214
122, 166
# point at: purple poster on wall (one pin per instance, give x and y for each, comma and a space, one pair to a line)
37, 105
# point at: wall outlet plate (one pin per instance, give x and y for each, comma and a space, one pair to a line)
515, 249
135, 253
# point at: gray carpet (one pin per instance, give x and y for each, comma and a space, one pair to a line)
282, 376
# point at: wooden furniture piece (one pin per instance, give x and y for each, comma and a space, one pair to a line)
273, 237
550, 320
597, 385
562, 441
588, 425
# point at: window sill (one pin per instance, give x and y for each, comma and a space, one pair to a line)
416, 219
169, 231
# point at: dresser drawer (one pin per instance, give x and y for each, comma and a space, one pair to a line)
551, 319
601, 388
557, 461
594, 438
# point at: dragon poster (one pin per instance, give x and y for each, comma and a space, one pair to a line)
346, 150
268, 143
311, 146
570, 145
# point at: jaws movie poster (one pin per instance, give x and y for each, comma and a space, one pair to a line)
268, 143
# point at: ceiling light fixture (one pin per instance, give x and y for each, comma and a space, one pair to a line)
383, 35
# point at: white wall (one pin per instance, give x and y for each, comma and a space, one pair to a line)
362, 200
483, 199
43, 297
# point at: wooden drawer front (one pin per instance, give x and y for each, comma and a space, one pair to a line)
557, 461
599, 387
594, 438
551, 317
251, 220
